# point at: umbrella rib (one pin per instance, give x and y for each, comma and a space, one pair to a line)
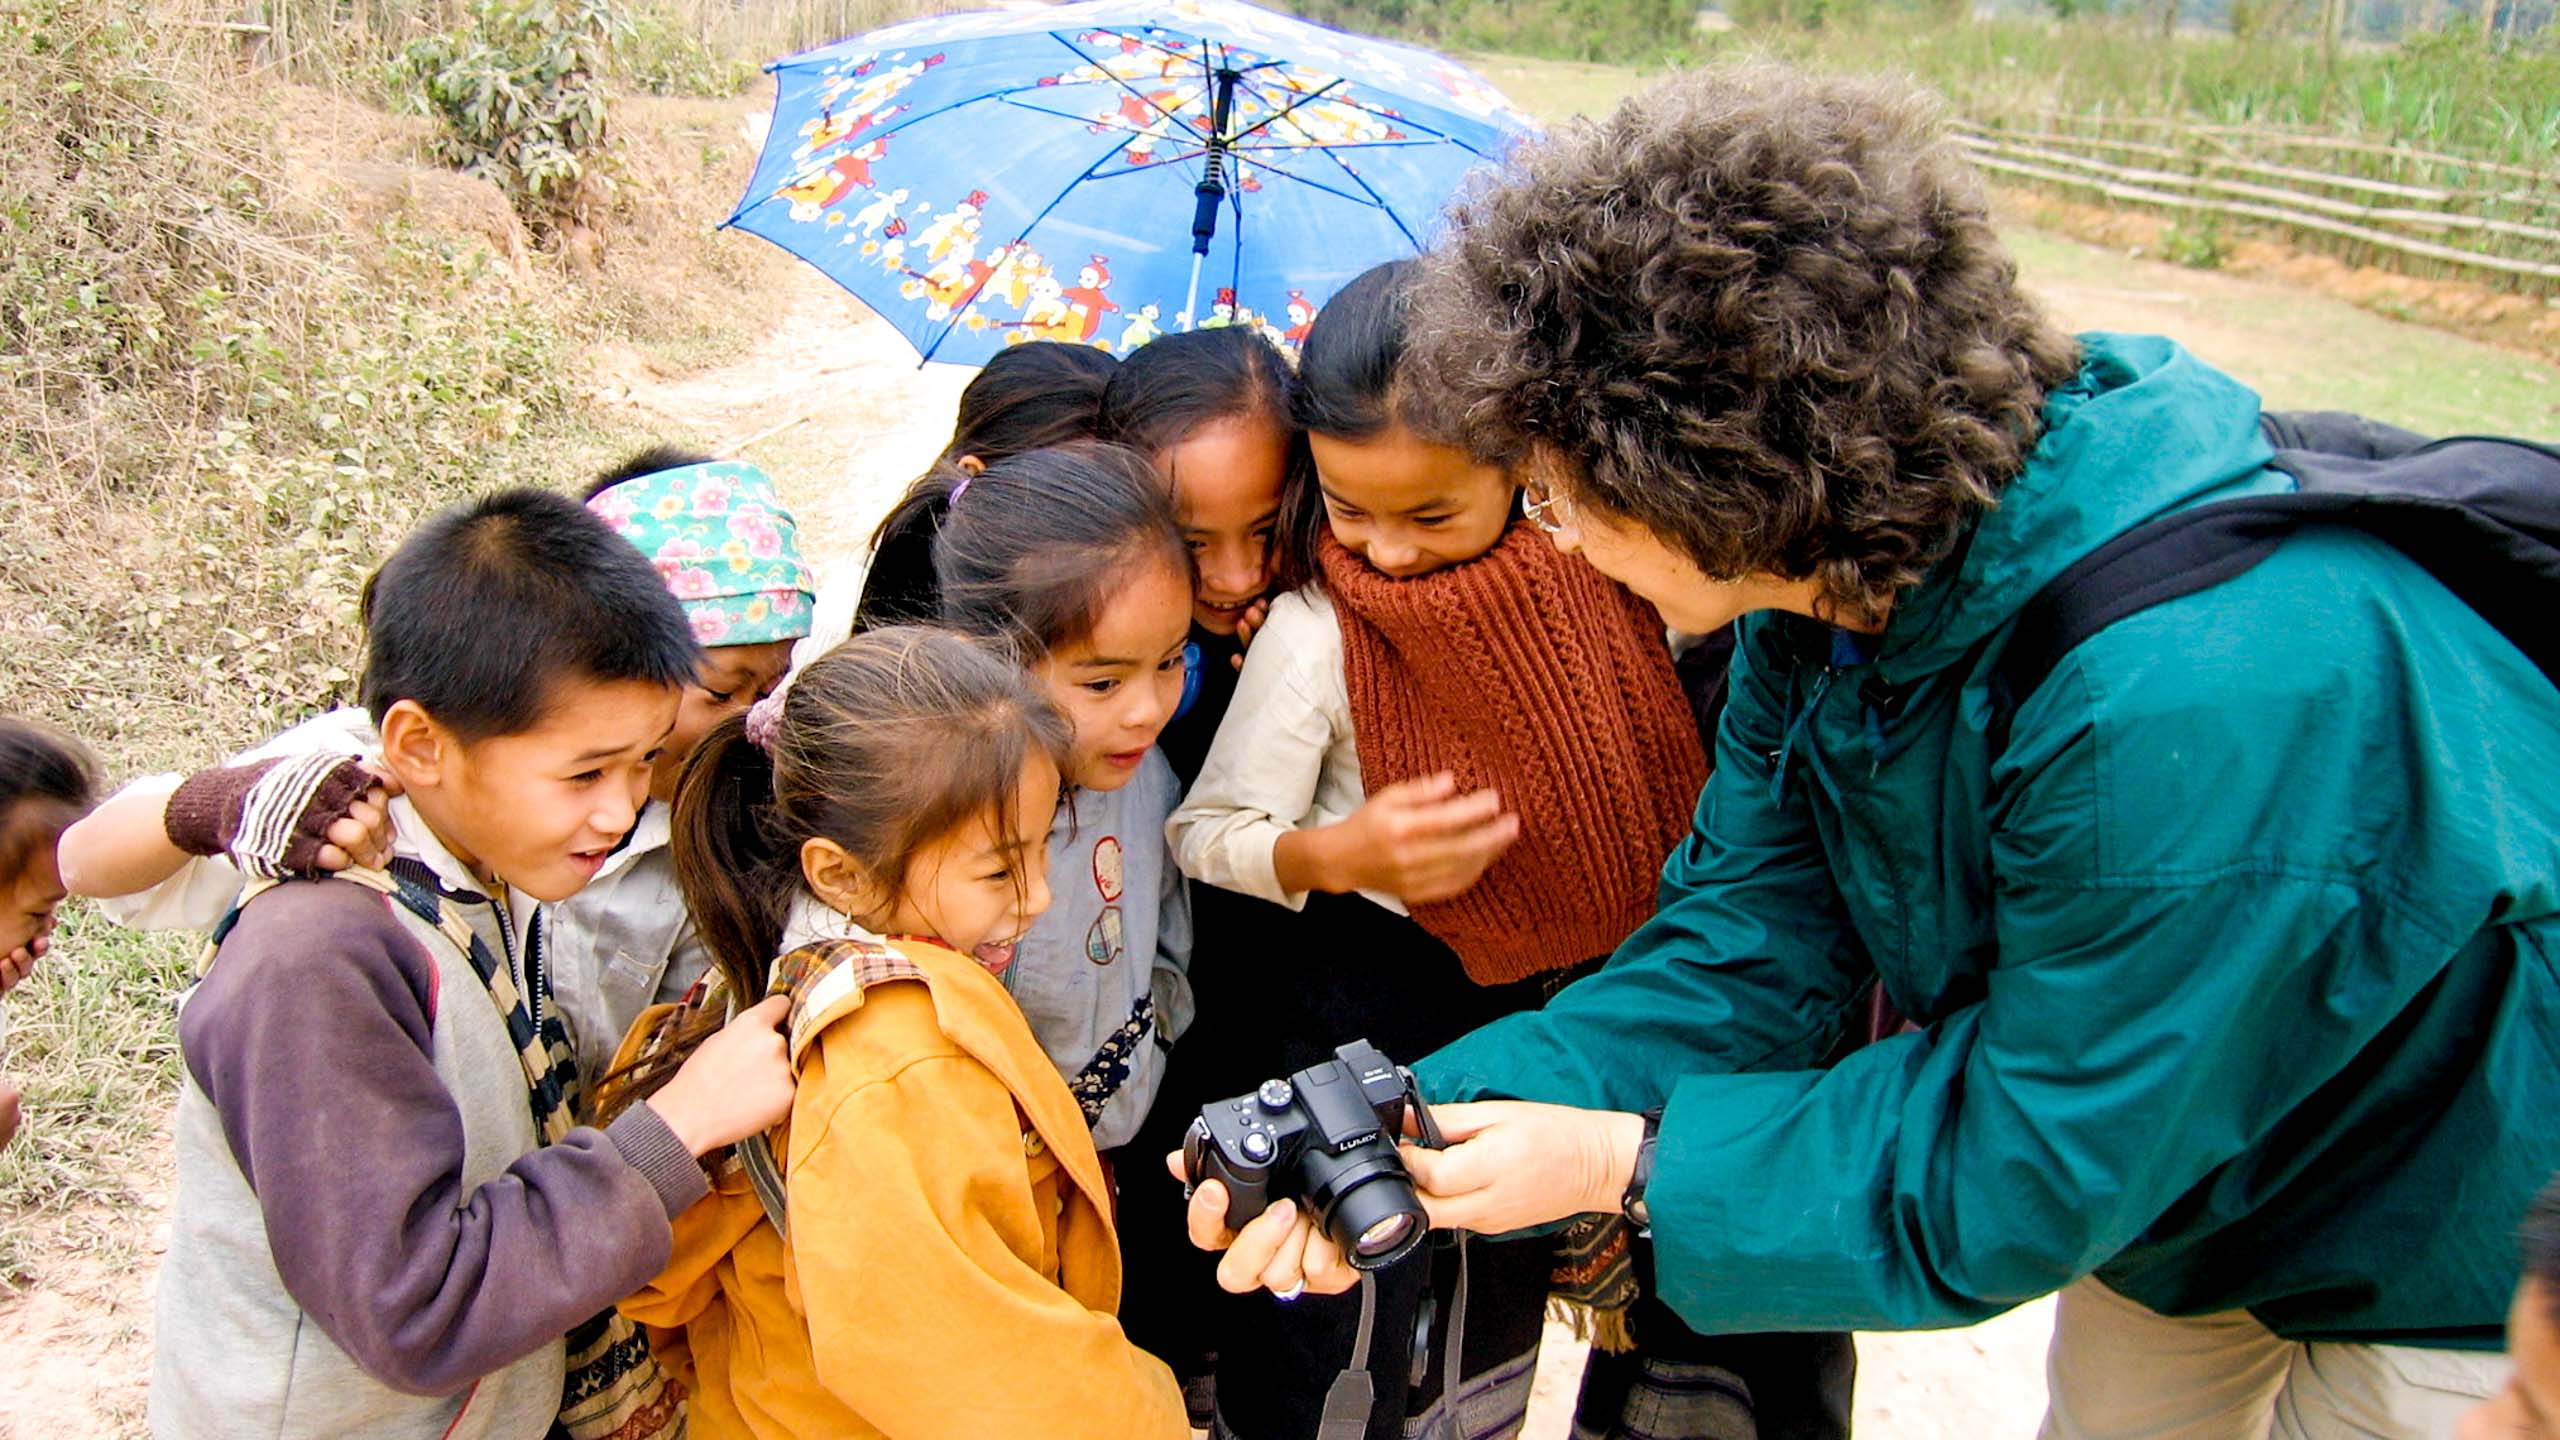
802, 168
1021, 236
1292, 108
1374, 197
1432, 131
1369, 199
1143, 96
1115, 123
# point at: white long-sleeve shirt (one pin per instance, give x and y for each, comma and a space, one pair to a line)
1284, 758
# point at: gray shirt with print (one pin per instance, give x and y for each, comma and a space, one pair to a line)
1103, 975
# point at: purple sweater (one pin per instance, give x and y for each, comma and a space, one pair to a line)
314, 1037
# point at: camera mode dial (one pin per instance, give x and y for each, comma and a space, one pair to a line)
1276, 1096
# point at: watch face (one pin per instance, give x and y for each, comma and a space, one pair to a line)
1641, 1213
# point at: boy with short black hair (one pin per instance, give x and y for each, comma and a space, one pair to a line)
171, 853
384, 1223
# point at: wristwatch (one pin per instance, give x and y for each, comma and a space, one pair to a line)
1638, 1213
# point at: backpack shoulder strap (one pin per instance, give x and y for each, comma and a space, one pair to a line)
2174, 556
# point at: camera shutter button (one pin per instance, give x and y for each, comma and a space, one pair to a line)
1275, 1095
1256, 1146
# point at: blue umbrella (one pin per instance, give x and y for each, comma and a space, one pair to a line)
1102, 172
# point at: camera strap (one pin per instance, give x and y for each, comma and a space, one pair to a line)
1354, 1394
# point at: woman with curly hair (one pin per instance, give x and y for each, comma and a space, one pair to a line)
2232, 969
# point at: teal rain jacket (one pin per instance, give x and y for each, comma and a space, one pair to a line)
2235, 970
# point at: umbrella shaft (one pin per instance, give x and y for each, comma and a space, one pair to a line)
1212, 189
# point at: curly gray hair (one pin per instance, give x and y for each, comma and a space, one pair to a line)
1759, 312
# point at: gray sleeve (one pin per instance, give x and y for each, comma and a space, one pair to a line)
312, 1035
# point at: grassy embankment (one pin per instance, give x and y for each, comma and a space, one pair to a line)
250, 331
2301, 350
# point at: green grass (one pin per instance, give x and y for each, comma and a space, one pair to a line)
92, 1042
2305, 352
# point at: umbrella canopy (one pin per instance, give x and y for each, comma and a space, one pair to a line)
1102, 172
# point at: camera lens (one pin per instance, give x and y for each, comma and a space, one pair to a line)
1384, 1236
1366, 1203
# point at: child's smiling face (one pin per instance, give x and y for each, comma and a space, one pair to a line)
1226, 479
542, 808
1120, 685
978, 887
1408, 506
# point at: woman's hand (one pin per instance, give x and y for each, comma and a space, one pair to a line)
1509, 1165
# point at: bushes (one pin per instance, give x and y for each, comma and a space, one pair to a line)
520, 92
212, 419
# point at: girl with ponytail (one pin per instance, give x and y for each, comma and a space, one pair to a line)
873, 843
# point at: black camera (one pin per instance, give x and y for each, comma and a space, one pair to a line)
1327, 1136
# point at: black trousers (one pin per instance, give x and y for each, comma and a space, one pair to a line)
1679, 1385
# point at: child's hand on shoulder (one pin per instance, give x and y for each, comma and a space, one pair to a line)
1420, 841
340, 809
736, 1085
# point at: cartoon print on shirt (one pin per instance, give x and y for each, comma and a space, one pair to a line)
1105, 943
1110, 867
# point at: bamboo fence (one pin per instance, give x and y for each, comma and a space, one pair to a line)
2395, 206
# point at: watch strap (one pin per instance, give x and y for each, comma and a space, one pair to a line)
1633, 1203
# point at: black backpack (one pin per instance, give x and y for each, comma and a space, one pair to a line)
2481, 513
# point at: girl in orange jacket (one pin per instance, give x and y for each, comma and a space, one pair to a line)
926, 1248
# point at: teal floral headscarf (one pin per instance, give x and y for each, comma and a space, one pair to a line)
725, 546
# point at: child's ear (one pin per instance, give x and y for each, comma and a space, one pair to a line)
415, 747
841, 883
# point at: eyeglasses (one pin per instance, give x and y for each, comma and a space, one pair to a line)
1545, 508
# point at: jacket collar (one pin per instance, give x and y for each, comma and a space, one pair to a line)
971, 1006
412, 839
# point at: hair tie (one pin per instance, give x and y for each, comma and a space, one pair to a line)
764, 721
957, 491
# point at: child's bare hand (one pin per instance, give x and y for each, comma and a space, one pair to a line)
361, 838
1420, 840
1246, 625
8, 1113
736, 1085
20, 963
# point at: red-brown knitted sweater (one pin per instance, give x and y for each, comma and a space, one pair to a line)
1528, 671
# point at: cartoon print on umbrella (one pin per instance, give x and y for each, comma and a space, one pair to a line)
995, 178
